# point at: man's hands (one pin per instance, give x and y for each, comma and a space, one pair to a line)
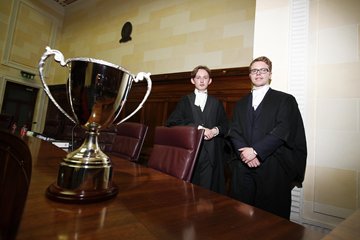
210, 133
249, 157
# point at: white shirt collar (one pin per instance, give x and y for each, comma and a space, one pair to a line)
258, 94
196, 91
200, 98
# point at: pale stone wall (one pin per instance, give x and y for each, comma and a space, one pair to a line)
167, 36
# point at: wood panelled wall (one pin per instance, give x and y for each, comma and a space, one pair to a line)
228, 85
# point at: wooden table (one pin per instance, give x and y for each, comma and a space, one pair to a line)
150, 205
347, 230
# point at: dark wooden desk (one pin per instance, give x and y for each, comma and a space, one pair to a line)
150, 205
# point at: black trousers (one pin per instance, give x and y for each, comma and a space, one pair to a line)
266, 187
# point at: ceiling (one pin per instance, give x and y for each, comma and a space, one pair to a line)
65, 2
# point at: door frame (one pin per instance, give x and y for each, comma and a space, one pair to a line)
40, 104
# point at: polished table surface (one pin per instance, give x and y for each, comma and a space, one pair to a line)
150, 205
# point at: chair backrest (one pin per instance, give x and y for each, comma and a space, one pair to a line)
15, 174
175, 150
129, 140
107, 138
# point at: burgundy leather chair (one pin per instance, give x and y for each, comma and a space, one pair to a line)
175, 150
107, 138
129, 140
15, 174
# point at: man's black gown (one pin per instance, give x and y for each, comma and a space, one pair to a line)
209, 168
275, 130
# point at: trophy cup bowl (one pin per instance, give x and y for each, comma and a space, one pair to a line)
97, 91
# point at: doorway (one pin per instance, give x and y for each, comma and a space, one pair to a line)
19, 101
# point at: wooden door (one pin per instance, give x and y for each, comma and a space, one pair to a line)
19, 101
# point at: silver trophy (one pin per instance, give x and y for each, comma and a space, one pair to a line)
97, 91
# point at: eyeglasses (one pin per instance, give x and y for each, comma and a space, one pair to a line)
261, 70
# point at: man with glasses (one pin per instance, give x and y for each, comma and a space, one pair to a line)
268, 133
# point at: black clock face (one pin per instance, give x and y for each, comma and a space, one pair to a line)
126, 32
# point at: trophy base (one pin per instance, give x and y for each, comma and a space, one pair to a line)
56, 193
83, 182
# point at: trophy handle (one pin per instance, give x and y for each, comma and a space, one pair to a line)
58, 57
139, 77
